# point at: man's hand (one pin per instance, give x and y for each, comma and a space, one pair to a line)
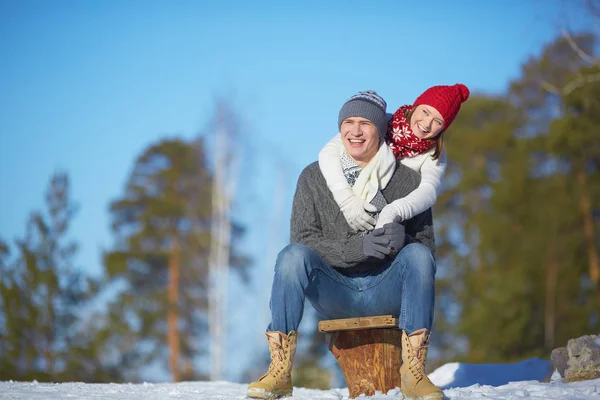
355, 210
376, 245
395, 233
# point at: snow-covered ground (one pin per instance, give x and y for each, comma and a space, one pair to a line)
460, 381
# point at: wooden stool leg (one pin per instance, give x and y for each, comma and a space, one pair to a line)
369, 358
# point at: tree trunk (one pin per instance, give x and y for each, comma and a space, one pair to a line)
370, 359
474, 240
585, 206
368, 350
49, 358
48, 353
550, 312
173, 312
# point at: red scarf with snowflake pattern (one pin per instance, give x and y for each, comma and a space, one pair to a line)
402, 140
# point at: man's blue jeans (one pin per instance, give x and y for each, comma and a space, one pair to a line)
403, 287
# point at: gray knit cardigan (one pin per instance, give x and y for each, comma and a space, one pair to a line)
318, 222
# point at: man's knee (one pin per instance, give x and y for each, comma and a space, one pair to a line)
292, 260
419, 257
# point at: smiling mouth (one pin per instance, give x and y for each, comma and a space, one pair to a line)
423, 129
356, 142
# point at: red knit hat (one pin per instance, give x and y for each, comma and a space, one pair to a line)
445, 99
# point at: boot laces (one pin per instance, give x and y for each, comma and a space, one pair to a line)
418, 359
278, 357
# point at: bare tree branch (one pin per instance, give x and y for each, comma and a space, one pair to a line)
547, 86
579, 82
582, 54
571, 86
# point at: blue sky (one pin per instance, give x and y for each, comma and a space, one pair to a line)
85, 86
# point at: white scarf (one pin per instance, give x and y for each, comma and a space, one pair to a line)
376, 174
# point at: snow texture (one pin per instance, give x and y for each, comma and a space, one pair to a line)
460, 381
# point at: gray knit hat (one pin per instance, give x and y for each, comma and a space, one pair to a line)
369, 105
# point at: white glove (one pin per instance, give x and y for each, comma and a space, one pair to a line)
353, 208
388, 214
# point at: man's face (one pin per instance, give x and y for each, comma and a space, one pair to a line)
426, 122
360, 139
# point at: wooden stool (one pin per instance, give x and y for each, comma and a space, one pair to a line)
368, 350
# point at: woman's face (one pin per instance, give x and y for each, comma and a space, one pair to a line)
426, 122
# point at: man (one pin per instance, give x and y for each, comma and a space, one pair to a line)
346, 274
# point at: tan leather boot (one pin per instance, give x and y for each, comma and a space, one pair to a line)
277, 382
415, 385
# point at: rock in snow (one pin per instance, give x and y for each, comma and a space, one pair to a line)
584, 358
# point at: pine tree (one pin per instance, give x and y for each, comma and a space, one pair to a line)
162, 230
41, 292
514, 244
575, 140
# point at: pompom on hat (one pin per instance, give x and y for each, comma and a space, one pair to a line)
445, 99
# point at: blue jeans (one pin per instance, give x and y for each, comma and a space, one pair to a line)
403, 287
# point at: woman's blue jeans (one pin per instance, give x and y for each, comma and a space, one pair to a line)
402, 287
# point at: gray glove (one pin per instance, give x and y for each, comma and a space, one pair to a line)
395, 233
375, 245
